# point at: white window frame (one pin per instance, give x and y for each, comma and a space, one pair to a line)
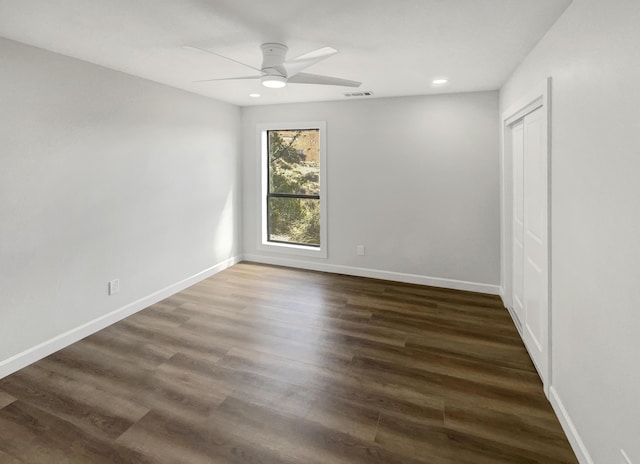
287, 248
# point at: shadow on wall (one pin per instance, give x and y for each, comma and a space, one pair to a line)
224, 237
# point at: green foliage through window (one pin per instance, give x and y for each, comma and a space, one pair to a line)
293, 197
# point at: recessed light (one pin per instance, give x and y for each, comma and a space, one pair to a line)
254, 95
439, 81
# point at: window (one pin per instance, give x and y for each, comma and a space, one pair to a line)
293, 193
292, 196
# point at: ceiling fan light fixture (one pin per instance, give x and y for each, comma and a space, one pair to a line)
276, 71
273, 82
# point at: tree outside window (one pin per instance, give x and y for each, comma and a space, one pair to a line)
293, 190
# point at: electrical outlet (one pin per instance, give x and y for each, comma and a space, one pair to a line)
114, 286
625, 458
360, 250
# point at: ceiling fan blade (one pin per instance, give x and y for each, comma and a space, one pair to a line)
228, 78
189, 47
306, 78
297, 64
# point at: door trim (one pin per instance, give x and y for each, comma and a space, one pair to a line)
536, 98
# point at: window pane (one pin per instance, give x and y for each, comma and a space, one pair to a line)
294, 161
294, 220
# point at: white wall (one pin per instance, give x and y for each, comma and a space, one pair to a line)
593, 57
414, 179
102, 176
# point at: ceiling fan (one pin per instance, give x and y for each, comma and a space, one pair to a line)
276, 71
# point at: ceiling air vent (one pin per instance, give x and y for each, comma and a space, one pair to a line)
366, 93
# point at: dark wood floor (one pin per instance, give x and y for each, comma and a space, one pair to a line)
261, 364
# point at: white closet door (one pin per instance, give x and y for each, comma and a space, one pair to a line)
535, 244
517, 137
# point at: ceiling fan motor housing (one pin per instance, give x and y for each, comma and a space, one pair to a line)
274, 55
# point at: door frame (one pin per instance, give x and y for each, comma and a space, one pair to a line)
538, 97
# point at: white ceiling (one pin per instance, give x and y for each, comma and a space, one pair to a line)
395, 47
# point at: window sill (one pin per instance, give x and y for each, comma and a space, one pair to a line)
296, 250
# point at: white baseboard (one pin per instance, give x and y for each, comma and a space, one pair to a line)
569, 428
516, 321
376, 274
44, 349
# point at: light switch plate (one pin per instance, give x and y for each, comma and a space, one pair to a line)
114, 286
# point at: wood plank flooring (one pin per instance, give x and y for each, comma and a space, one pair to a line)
261, 364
